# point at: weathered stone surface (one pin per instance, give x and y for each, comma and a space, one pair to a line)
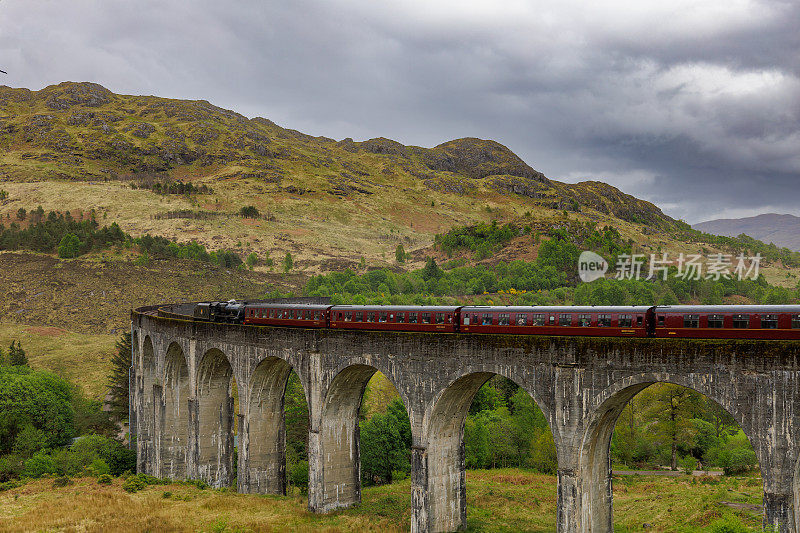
183, 373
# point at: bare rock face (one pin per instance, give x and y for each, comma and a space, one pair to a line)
67, 94
478, 158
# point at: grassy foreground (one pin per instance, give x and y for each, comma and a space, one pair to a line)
498, 500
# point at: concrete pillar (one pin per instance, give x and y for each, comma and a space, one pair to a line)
419, 489
315, 474
262, 436
778, 510
158, 430
567, 503
192, 455
334, 442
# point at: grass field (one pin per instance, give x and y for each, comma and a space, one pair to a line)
83, 359
497, 500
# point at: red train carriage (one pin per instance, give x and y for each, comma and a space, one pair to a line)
629, 321
301, 315
440, 319
728, 321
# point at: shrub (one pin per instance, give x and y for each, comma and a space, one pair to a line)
740, 461
99, 467
688, 464
299, 476
40, 464
104, 479
134, 484
728, 524
198, 483
249, 211
62, 481
167, 494
10, 467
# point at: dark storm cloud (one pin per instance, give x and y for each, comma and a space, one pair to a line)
695, 106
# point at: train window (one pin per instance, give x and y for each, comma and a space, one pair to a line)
426, 318
440, 318
382, 317
317, 315
401, 317
370, 317
465, 320
564, 320
625, 321
604, 320
660, 320
741, 321
487, 319
691, 321
359, 316
795, 321
504, 320
537, 320
552, 320
769, 322
522, 319
412, 318
639, 320
348, 316
449, 318
715, 321
584, 320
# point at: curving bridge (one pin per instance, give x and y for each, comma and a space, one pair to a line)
183, 413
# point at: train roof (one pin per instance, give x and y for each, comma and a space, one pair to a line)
728, 308
289, 306
558, 308
420, 308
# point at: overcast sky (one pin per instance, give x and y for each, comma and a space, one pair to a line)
694, 105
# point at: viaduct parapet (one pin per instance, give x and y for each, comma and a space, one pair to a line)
183, 414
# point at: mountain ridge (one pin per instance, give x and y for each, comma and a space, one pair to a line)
780, 229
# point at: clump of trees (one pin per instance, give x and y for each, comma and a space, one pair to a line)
41, 413
59, 233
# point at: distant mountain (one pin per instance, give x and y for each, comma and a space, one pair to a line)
782, 230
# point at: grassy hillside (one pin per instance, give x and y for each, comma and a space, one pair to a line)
77, 147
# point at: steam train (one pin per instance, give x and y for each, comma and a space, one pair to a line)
775, 322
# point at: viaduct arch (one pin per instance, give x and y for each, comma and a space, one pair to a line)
182, 410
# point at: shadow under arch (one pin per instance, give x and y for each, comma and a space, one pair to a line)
215, 414
339, 469
174, 441
262, 447
446, 459
594, 461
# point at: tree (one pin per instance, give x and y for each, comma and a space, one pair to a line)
671, 409
118, 378
70, 246
21, 213
400, 254
252, 259
431, 270
288, 262
37, 399
16, 355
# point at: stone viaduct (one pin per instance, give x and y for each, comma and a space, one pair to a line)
183, 412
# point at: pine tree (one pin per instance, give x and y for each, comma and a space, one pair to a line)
16, 355
118, 378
